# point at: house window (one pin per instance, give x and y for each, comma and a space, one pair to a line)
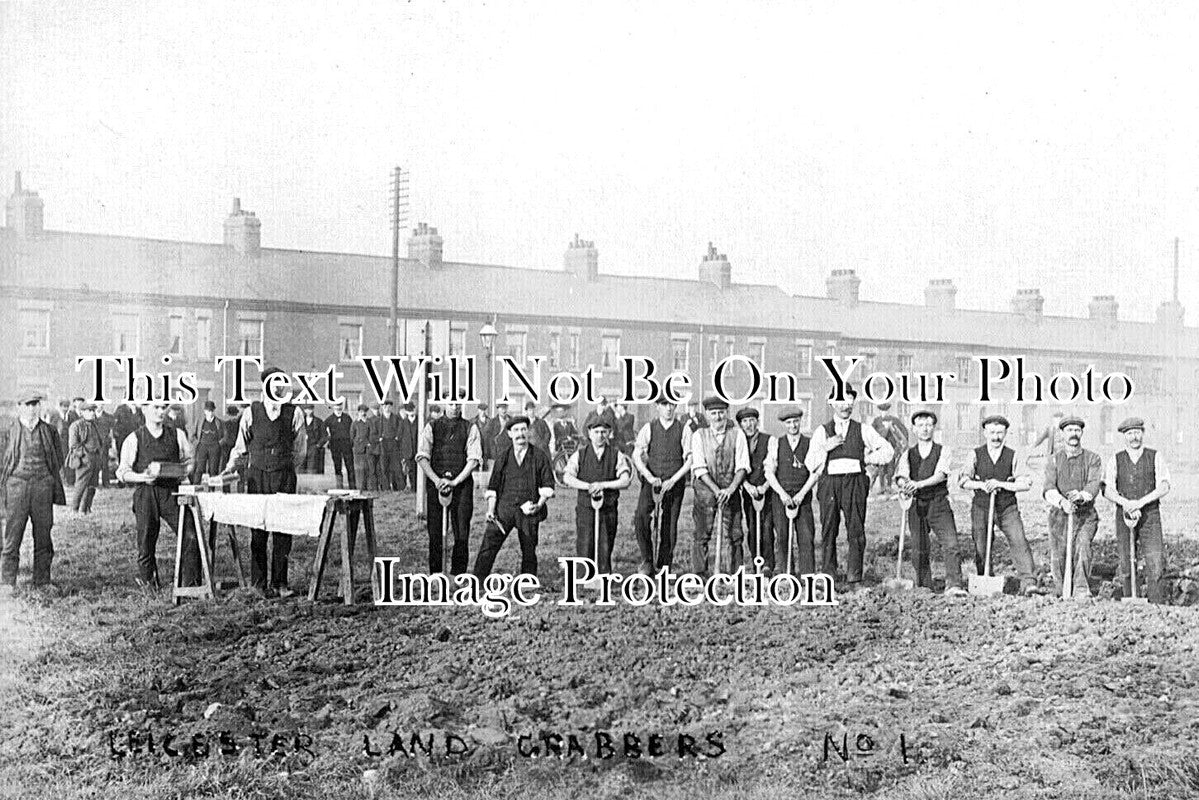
1131, 371
804, 356
1055, 367
609, 352
963, 369
516, 341
757, 354
349, 341
249, 337
35, 329
1158, 379
555, 350
680, 354
574, 350
905, 363
125, 338
457, 341
805, 422
175, 334
203, 337
965, 422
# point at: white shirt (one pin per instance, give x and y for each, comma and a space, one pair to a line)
924, 448
1159, 467
699, 466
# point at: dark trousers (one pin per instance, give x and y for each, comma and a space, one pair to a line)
803, 550
1008, 520
494, 536
259, 481
391, 470
766, 552
1149, 548
107, 470
340, 452
208, 461
705, 559
153, 505
366, 469
410, 471
937, 516
86, 477
667, 534
585, 534
461, 508
28, 501
843, 494
1086, 524
314, 461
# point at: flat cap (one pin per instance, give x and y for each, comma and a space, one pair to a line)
268, 372
597, 421
88, 407
408, 407
790, 412
713, 403
1071, 420
29, 398
998, 419
748, 411
1132, 423
663, 400
363, 407
517, 419
924, 412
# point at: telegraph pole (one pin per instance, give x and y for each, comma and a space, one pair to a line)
399, 219
1175, 367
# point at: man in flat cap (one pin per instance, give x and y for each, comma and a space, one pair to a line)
341, 444
85, 452
660, 455
539, 429
793, 470
1136, 480
923, 474
891, 428
496, 432
719, 463
364, 447
408, 443
316, 437
273, 434
448, 453
597, 469
521, 483
755, 489
625, 431
31, 480
391, 430
846, 447
206, 442
1073, 478
992, 469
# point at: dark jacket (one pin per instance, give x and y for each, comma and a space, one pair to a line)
52, 446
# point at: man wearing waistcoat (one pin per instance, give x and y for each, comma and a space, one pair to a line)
597, 468
1136, 479
719, 463
273, 434
660, 455
449, 452
341, 449
1073, 478
409, 435
364, 445
154, 496
85, 451
392, 428
206, 440
316, 438
990, 469
755, 487
30, 478
792, 470
846, 447
923, 474
521, 482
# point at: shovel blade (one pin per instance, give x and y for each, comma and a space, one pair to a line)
986, 585
1139, 601
898, 585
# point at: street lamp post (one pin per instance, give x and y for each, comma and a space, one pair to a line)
487, 336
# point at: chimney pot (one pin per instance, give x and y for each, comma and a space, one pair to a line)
842, 285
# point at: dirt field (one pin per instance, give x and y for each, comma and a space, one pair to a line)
1002, 697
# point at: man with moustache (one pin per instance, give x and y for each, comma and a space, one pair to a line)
660, 456
341, 447
449, 452
755, 487
923, 475
1073, 477
1136, 480
847, 446
792, 469
597, 469
521, 482
992, 469
719, 464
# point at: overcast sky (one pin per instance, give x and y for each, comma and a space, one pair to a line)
1020, 146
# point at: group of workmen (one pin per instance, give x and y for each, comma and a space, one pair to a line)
753, 493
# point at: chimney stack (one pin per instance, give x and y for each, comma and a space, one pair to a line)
1104, 309
582, 259
243, 231
23, 211
941, 294
1171, 313
715, 268
1029, 304
426, 246
842, 286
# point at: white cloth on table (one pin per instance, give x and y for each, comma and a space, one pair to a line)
293, 514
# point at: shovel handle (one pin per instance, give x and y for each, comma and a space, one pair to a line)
1068, 572
990, 534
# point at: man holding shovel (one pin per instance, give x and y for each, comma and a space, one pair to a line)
991, 471
599, 471
449, 452
923, 474
792, 469
660, 455
719, 463
754, 497
1136, 480
1072, 480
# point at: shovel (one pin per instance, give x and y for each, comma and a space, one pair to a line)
758, 503
1068, 572
655, 524
987, 585
792, 512
597, 502
719, 536
899, 583
1132, 520
445, 498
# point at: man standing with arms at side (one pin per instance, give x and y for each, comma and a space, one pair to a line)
625, 430
755, 488
273, 434
847, 447
30, 477
104, 424
719, 463
84, 453
449, 452
364, 444
206, 439
391, 470
792, 469
660, 455
1136, 480
409, 435
1073, 477
316, 438
341, 448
